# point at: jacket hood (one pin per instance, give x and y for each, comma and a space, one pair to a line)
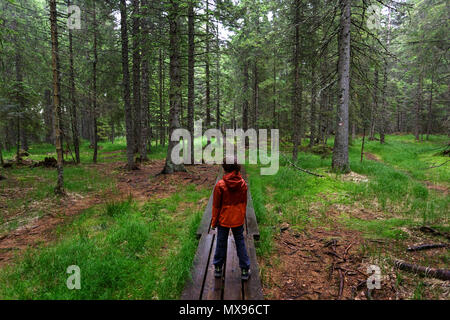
234, 180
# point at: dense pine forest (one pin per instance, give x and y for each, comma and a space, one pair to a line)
91, 92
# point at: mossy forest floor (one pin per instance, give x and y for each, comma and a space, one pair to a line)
133, 233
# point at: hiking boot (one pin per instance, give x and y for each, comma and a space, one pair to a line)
217, 271
245, 274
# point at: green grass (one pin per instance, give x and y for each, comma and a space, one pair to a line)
396, 183
128, 250
124, 250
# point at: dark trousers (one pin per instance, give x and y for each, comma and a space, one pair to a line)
222, 242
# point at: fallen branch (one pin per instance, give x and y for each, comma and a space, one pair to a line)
427, 246
304, 170
440, 165
442, 274
426, 229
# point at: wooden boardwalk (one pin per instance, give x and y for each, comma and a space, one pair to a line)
203, 285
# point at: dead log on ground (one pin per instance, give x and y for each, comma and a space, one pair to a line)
427, 246
443, 274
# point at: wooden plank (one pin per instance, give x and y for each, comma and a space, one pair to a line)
252, 225
233, 283
212, 289
194, 286
206, 219
250, 217
252, 287
205, 224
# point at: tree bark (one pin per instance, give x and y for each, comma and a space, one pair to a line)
136, 74
418, 107
430, 109
245, 93
56, 98
19, 98
162, 132
217, 77
175, 84
73, 106
191, 72
374, 111
48, 117
255, 94
383, 120
274, 92
313, 118
207, 72
297, 90
340, 161
313, 111
94, 86
145, 80
126, 86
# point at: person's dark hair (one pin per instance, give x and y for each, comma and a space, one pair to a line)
230, 164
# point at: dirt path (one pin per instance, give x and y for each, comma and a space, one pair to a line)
141, 184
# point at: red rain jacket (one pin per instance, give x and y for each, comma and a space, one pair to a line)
229, 201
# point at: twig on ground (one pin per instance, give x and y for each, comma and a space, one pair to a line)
304, 170
341, 284
440, 165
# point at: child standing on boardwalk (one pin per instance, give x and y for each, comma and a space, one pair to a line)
229, 209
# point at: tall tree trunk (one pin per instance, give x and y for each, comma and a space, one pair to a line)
383, 120
245, 94
162, 132
313, 114
56, 98
73, 106
94, 86
383, 117
323, 110
297, 90
340, 160
145, 80
418, 107
48, 117
313, 111
274, 92
136, 74
217, 76
126, 86
175, 84
191, 72
374, 111
19, 98
430, 109
207, 72
255, 94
